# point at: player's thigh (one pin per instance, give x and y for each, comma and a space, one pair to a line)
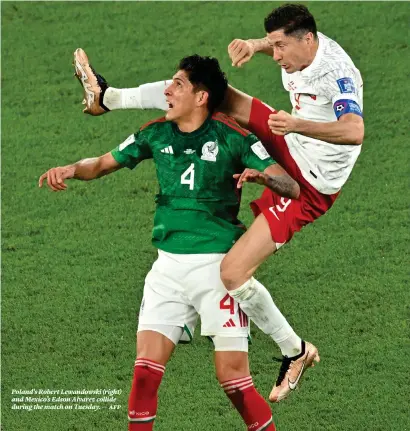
255, 245
155, 346
164, 302
230, 365
284, 216
274, 144
258, 121
220, 313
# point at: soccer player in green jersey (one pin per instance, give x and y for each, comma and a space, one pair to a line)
199, 155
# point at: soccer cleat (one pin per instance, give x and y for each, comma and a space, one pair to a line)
94, 85
291, 371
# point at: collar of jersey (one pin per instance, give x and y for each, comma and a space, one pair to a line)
202, 129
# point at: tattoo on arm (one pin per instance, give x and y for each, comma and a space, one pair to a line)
261, 45
284, 186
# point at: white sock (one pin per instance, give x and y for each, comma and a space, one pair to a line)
258, 304
146, 96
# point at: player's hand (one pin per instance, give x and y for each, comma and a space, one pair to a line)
251, 176
282, 123
56, 177
240, 51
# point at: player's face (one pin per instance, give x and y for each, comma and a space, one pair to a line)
290, 52
181, 97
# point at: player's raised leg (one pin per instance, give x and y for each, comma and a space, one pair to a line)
232, 370
153, 352
237, 271
101, 98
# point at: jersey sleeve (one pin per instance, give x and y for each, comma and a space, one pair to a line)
132, 151
343, 87
254, 154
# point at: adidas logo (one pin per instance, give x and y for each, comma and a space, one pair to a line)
229, 324
167, 150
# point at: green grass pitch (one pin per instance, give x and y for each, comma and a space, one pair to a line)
73, 264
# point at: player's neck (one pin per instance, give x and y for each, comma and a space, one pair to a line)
193, 122
313, 51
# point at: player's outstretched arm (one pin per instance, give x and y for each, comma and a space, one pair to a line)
273, 177
85, 170
241, 51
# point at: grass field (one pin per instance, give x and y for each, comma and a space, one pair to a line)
73, 264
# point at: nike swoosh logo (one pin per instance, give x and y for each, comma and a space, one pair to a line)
292, 385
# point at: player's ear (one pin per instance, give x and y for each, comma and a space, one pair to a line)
309, 37
202, 98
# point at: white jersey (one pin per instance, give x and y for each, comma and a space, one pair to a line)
325, 90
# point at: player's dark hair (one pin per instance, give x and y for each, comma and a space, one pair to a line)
205, 73
294, 19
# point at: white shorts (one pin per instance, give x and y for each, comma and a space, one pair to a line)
180, 287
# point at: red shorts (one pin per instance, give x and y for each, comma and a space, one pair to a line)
285, 216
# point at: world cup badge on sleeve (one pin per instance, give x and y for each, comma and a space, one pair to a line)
346, 85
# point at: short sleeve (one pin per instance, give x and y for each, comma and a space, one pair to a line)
343, 88
132, 151
254, 154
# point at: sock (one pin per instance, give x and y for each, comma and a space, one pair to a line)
251, 406
146, 96
258, 304
143, 400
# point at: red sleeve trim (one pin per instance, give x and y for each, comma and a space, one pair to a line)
157, 120
230, 122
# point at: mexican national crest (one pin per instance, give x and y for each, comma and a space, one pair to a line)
209, 151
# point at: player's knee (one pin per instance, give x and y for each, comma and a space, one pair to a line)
232, 369
231, 357
232, 275
157, 342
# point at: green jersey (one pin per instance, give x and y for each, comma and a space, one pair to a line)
198, 202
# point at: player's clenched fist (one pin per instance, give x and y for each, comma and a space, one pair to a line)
251, 176
56, 176
240, 51
282, 123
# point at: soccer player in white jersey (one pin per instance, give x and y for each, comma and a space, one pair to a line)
317, 144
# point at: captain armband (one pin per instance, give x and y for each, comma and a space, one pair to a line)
346, 106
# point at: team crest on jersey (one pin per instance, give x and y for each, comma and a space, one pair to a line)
209, 151
346, 85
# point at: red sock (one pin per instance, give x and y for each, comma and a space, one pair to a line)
254, 410
143, 400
